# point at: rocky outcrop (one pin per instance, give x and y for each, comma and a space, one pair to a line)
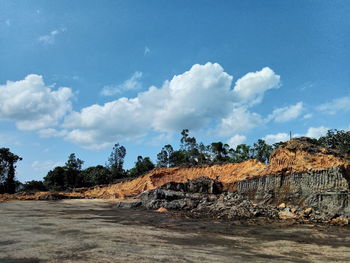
324, 190
195, 198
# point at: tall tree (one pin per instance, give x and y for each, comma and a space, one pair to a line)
73, 168
55, 180
164, 158
261, 151
220, 151
242, 153
116, 161
8, 162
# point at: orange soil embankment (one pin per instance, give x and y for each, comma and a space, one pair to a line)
295, 156
292, 157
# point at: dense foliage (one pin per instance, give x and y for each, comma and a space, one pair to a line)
8, 162
193, 153
336, 139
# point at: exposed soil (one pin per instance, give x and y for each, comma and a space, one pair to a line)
93, 231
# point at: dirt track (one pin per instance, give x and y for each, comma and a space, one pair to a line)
91, 231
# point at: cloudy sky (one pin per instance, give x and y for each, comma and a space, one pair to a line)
79, 76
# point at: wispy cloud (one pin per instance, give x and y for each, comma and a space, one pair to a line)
50, 38
287, 113
133, 83
147, 50
8, 22
45, 165
336, 105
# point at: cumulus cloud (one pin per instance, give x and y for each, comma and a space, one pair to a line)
252, 86
50, 38
201, 97
196, 99
236, 140
316, 132
97, 126
286, 113
133, 83
274, 138
312, 132
239, 120
336, 105
32, 104
193, 98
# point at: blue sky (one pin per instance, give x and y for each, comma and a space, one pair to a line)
79, 76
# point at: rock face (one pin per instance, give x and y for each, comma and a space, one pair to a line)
196, 198
325, 190
182, 196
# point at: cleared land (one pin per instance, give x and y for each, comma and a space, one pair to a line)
92, 231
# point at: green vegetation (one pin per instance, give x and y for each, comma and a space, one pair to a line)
190, 153
8, 162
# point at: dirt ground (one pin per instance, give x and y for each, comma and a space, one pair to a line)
93, 231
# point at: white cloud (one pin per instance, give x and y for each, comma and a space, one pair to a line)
133, 83
45, 166
336, 105
312, 132
194, 100
191, 100
308, 116
252, 86
286, 113
236, 140
51, 37
274, 138
98, 126
147, 50
316, 132
32, 104
50, 132
239, 120
9, 139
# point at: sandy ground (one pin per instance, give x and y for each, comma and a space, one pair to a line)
92, 231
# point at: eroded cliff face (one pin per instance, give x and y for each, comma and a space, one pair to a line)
303, 174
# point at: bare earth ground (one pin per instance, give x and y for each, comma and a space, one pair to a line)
92, 231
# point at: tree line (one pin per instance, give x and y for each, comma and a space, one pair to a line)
190, 153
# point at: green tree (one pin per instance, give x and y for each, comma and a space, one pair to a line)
96, 175
219, 151
261, 151
337, 140
116, 162
55, 180
8, 162
165, 156
242, 153
142, 166
34, 186
178, 158
73, 168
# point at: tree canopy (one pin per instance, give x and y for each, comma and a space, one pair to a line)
8, 162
